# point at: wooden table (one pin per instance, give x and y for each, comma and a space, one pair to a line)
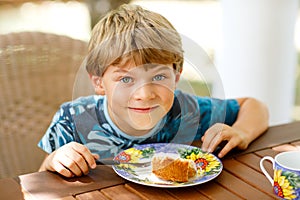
241, 178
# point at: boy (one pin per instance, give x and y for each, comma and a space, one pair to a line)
134, 61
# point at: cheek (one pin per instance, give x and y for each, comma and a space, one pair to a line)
118, 96
167, 97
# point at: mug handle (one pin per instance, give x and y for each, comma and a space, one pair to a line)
264, 170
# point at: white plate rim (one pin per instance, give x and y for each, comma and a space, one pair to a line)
198, 181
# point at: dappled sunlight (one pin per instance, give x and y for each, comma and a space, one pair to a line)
287, 147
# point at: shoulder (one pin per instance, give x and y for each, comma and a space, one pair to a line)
204, 102
85, 102
80, 105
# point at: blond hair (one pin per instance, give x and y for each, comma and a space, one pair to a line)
132, 31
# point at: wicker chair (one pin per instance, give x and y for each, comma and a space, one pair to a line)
38, 72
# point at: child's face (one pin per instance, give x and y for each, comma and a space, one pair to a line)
138, 96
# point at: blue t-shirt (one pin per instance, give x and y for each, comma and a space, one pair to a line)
86, 120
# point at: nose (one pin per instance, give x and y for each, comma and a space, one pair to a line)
144, 92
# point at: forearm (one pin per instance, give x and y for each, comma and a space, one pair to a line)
253, 118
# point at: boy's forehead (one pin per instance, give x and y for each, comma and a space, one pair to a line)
129, 63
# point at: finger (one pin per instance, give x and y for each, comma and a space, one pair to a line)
228, 147
207, 139
96, 156
210, 135
72, 165
87, 155
59, 168
215, 142
80, 162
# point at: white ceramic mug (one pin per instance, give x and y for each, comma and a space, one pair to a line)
286, 179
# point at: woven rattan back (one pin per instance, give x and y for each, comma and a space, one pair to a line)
37, 74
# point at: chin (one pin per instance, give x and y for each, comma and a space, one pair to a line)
143, 127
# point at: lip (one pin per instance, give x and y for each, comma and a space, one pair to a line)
143, 110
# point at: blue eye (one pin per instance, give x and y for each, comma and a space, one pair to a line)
158, 77
126, 79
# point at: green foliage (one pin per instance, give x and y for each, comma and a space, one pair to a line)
293, 179
148, 152
186, 152
195, 87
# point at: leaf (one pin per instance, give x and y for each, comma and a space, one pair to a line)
293, 178
147, 152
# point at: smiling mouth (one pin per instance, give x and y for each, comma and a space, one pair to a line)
143, 110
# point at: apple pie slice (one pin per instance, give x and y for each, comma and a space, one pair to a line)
172, 167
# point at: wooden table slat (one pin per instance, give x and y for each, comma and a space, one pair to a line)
61, 198
241, 178
294, 146
296, 143
216, 191
248, 175
266, 152
57, 186
92, 195
120, 192
240, 188
149, 192
276, 135
187, 193
255, 159
252, 160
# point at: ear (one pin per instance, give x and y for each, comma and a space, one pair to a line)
177, 78
98, 84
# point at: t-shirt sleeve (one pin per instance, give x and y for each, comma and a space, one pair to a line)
214, 110
60, 131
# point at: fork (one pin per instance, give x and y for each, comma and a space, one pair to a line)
116, 162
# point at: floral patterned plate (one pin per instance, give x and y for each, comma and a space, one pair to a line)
208, 165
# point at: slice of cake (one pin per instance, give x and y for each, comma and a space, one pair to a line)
172, 167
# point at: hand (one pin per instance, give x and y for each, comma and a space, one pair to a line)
72, 159
218, 133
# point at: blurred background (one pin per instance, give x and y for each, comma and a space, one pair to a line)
253, 44
253, 49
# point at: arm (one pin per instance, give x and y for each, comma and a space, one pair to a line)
253, 118
251, 122
72, 159
67, 157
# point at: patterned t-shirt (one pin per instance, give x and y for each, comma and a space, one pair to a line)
86, 120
